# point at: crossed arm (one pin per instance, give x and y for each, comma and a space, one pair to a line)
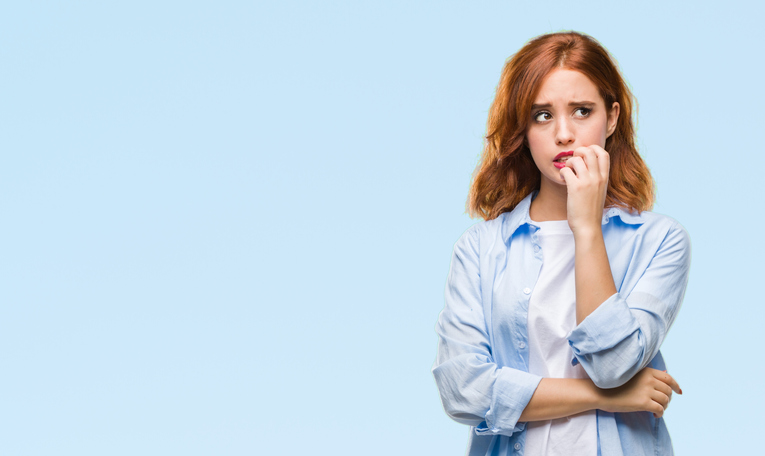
649, 391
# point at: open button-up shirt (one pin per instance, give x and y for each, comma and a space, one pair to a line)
483, 357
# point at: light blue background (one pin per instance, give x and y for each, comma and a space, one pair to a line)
226, 227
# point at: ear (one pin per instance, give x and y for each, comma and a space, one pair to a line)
613, 116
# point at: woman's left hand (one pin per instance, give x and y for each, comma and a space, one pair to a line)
586, 176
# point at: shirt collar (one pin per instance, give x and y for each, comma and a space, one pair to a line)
520, 216
632, 218
517, 217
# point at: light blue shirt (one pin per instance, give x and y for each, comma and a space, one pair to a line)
483, 356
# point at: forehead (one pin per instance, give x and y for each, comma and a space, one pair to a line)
566, 85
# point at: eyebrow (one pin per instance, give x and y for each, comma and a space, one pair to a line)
573, 103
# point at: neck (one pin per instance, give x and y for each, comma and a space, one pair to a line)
550, 203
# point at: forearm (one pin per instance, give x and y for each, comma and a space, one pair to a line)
560, 397
592, 271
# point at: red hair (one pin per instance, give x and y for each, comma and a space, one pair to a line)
506, 173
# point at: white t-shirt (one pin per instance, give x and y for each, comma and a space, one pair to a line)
552, 316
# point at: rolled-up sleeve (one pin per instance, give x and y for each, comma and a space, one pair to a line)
474, 389
624, 333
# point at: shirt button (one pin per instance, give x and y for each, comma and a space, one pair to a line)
536, 248
527, 290
521, 345
517, 446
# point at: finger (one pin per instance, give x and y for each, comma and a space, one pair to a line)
578, 165
568, 175
660, 398
675, 386
589, 157
669, 380
664, 388
657, 409
581, 151
604, 163
597, 149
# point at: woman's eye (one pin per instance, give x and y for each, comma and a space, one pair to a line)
582, 112
542, 116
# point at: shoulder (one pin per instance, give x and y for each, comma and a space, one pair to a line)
655, 218
481, 240
471, 238
648, 222
486, 232
660, 223
652, 234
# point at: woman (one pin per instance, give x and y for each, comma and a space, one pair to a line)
557, 304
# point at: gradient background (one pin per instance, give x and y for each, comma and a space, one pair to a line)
226, 227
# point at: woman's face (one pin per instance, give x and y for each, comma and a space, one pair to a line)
567, 113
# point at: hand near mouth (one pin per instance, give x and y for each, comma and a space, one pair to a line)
586, 177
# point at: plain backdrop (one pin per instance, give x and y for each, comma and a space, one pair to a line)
226, 226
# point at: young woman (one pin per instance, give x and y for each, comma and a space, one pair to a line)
557, 303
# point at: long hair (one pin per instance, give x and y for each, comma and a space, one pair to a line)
506, 173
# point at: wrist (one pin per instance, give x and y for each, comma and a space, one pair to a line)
595, 397
588, 233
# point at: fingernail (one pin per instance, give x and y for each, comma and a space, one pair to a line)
681, 390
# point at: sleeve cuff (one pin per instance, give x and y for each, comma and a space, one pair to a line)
605, 327
512, 393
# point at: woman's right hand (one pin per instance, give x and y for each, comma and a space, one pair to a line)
648, 391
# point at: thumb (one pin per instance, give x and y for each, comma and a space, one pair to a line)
567, 174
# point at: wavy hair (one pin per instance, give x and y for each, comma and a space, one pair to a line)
506, 173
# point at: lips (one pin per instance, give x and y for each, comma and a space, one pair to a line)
561, 159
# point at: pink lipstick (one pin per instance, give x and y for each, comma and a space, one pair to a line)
558, 161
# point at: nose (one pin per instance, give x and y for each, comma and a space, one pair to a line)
564, 132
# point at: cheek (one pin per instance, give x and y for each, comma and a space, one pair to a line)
533, 141
595, 135
601, 139
533, 149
